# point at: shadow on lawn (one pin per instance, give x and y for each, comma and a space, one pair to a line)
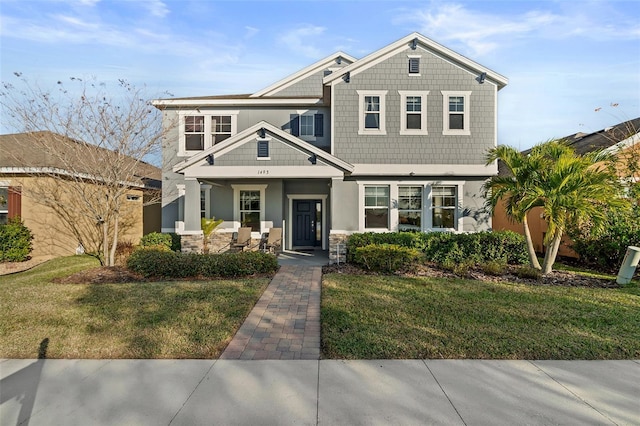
167, 320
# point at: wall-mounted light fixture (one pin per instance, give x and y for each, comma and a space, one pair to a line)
339, 60
347, 77
210, 160
414, 43
262, 133
481, 77
313, 159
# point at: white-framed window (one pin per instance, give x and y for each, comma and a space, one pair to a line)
414, 65
444, 207
249, 206
307, 125
410, 208
372, 104
413, 114
376, 206
456, 111
200, 131
4, 205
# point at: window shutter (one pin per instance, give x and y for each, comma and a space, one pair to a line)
15, 201
319, 125
295, 124
263, 149
414, 65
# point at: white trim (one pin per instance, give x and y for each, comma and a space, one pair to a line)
423, 113
248, 135
208, 131
425, 169
63, 172
622, 145
206, 188
426, 223
325, 219
302, 74
236, 205
466, 95
214, 102
382, 130
380, 55
419, 73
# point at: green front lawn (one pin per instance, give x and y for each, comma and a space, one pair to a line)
380, 317
176, 319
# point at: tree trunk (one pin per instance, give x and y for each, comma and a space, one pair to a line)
552, 252
105, 244
114, 243
533, 258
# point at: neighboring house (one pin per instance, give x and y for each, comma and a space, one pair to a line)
623, 140
393, 141
25, 171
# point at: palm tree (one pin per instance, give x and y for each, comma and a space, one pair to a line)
573, 189
208, 226
514, 189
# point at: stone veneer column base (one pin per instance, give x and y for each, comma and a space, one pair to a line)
338, 248
192, 243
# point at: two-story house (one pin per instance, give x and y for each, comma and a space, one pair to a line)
393, 141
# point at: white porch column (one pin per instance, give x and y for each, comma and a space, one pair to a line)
192, 206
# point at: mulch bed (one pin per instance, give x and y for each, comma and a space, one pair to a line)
555, 278
101, 275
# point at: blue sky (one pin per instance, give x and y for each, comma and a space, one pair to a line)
567, 61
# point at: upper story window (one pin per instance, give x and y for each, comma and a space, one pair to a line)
308, 125
413, 114
372, 112
456, 113
199, 131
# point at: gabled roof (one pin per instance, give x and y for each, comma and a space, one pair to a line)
250, 134
393, 48
23, 153
610, 137
304, 73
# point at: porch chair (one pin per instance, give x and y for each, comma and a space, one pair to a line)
274, 241
244, 239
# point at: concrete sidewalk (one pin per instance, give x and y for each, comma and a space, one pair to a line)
325, 392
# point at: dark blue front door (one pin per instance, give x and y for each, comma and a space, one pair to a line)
307, 221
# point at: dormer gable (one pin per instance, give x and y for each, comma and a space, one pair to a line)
308, 79
415, 42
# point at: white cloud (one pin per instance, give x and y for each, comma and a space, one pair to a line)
157, 8
251, 31
483, 32
300, 40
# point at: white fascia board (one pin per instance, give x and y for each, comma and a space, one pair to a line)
236, 102
302, 74
61, 172
263, 172
425, 169
622, 145
249, 134
392, 49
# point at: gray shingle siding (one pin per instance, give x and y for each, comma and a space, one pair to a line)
435, 148
280, 154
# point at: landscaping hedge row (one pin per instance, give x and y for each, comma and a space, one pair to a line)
156, 239
169, 264
440, 247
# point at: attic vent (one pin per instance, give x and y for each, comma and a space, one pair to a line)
414, 65
263, 149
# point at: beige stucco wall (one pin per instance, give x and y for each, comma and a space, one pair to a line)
52, 237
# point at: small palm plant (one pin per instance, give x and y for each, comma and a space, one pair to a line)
208, 226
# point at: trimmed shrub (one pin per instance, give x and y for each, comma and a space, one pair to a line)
156, 239
15, 241
494, 267
527, 272
168, 264
385, 257
450, 248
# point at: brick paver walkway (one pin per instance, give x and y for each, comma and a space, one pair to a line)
285, 323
